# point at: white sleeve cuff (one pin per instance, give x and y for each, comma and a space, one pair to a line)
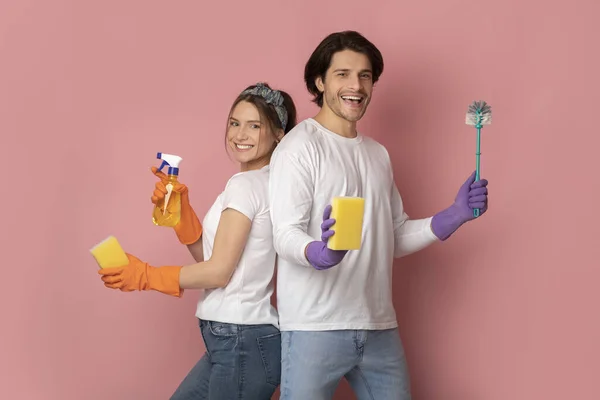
413, 236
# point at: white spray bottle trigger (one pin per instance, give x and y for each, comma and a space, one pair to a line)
171, 160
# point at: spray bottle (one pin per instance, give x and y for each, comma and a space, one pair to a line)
167, 211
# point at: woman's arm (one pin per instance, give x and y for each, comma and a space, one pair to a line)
230, 240
196, 250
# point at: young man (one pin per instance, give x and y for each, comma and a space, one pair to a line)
335, 307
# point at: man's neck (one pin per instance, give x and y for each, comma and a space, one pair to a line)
336, 124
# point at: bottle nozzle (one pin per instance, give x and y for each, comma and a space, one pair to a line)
171, 160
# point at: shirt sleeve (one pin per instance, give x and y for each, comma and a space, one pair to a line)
290, 198
410, 236
240, 196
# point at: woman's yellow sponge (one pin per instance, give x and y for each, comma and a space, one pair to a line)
109, 253
348, 214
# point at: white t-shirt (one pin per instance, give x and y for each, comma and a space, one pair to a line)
247, 297
309, 167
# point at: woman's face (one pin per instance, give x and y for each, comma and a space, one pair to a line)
250, 140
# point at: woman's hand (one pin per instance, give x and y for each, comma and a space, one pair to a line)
189, 228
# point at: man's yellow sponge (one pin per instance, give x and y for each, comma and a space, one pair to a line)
348, 214
109, 253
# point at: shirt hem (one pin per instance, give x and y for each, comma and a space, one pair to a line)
338, 326
235, 321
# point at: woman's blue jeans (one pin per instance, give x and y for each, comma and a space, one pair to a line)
241, 362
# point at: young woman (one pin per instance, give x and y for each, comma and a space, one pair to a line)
235, 258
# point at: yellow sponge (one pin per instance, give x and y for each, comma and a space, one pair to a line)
348, 214
109, 253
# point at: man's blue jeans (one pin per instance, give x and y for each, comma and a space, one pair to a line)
241, 362
373, 362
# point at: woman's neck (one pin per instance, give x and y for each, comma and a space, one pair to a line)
255, 164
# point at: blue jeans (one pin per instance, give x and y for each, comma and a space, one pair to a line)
241, 362
373, 363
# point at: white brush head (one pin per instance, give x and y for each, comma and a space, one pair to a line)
479, 113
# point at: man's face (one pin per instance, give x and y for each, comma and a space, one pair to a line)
348, 85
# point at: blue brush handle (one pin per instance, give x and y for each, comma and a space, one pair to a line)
478, 164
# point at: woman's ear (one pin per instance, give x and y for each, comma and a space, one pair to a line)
279, 135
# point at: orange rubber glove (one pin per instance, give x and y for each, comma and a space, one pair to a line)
189, 228
138, 275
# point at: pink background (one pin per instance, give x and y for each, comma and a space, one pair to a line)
90, 91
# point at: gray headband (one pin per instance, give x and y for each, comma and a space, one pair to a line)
273, 97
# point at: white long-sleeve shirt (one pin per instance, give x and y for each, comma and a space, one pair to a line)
309, 167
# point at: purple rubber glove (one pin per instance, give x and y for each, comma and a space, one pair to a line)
317, 253
471, 195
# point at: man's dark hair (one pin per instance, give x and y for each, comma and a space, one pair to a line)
320, 60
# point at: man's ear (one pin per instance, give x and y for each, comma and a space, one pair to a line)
319, 84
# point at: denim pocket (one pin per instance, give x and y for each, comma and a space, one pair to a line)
219, 337
222, 329
270, 352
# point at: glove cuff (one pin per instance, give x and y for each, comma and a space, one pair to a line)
445, 223
165, 280
189, 229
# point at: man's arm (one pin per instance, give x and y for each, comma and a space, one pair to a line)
291, 191
410, 236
